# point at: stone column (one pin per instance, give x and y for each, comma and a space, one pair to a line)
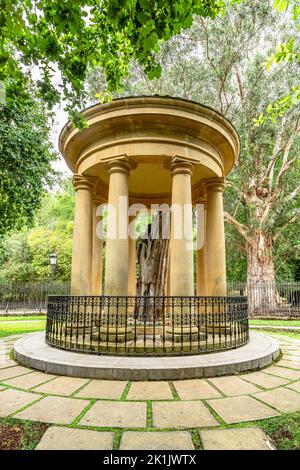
97, 250
201, 262
183, 326
215, 239
181, 254
117, 245
81, 274
132, 259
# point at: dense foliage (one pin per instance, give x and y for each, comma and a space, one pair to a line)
68, 37
25, 163
24, 255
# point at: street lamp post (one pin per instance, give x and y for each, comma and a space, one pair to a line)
53, 261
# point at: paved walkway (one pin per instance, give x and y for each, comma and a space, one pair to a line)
216, 413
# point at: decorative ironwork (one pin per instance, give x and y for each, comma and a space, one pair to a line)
146, 326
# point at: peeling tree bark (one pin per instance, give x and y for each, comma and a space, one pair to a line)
261, 285
153, 256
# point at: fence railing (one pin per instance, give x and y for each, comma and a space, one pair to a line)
269, 300
29, 298
266, 300
146, 326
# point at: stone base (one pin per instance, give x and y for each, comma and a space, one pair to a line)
114, 335
216, 329
185, 334
32, 351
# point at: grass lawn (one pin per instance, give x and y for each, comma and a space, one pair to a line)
21, 317
275, 322
14, 327
284, 431
281, 333
20, 435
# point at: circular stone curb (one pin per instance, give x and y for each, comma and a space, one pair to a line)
32, 351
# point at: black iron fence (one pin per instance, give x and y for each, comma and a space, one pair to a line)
269, 300
31, 298
144, 326
266, 300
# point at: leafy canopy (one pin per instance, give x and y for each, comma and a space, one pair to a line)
67, 37
25, 163
285, 52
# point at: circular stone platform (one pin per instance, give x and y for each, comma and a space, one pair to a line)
32, 351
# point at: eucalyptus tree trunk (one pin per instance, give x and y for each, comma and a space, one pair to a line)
261, 284
153, 257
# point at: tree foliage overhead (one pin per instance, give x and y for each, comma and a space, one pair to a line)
286, 51
71, 36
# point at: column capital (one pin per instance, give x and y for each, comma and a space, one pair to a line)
84, 182
120, 164
181, 165
201, 200
97, 199
214, 184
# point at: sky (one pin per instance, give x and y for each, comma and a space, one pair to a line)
61, 118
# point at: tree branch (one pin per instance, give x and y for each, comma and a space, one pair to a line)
242, 229
276, 151
293, 194
294, 217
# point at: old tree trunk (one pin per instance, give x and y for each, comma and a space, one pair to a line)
153, 257
261, 288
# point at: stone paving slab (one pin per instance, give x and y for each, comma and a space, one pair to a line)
108, 389
182, 414
116, 414
57, 410
289, 364
283, 372
290, 352
287, 357
150, 391
264, 380
169, 440
13, 400
29, 380
233, 386
295, 386
237, 409
252, 438
13, 372
61, 385
195, 389
59, 438
6, 362
282, 399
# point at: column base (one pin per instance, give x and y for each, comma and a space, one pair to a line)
216, 329
178, 334
114, 334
